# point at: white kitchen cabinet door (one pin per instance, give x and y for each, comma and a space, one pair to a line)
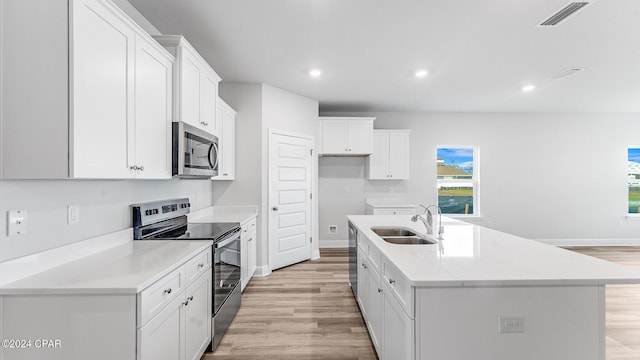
103, 46
153, 86
359, 136
188, 91
197, 306
390, 157
375, 311
252, 252
196, 85
226, 127
398, 337
208, 100
346, 136
363, 284
334, 137
162, 338
399, 155
378, 161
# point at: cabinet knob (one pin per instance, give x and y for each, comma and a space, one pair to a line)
134, 167
275, 208
391, 281
225, 174
167, 291
141, 168
201, 265
379, 290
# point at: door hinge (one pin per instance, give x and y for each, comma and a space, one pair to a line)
311, 152
310, 196
310, 239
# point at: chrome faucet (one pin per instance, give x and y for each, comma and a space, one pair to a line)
428, 222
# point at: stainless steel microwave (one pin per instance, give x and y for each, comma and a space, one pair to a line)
195, 152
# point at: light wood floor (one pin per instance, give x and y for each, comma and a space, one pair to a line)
307, 311
623, 304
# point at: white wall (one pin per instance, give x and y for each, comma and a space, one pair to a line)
104, 208
260, 107
553, 177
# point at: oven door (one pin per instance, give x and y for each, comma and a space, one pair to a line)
226, 269
195, 152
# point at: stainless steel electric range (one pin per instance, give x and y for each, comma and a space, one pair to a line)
167, 220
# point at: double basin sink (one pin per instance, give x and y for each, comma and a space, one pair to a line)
401, 235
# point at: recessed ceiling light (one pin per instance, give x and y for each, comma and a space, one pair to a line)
421, 73
315, 73
528, 88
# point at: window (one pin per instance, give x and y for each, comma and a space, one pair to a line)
633, 179
457, 180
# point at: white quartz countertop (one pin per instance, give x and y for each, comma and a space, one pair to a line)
240, 214
124, 269
471, 255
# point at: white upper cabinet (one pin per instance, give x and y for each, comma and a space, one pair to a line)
346, 136
98, 105
390, 157
226, 127
196, 85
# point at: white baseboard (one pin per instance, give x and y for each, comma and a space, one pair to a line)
262, 271
334, 243
590, 242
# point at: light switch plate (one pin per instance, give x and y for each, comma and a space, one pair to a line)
73, 214
16, 222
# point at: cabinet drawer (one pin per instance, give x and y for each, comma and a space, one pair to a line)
249, 226
393, 212
398, 286
157, 296
197, 265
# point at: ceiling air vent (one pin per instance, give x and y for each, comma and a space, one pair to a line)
564, 13
567, 72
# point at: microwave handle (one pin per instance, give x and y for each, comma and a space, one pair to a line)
214, 165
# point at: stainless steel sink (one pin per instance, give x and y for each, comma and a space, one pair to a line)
407, 240
392, 231
401, 235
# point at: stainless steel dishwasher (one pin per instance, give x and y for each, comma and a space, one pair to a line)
353, 259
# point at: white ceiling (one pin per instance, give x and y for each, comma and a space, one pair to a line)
479, 53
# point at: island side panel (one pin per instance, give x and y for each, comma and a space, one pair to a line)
463, 323
87, 326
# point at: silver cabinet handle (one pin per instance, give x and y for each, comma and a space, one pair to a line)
275, 208
201, 265
134, 167
186, 303
225, 174
141, 168
167, 291
391, 281
379, 290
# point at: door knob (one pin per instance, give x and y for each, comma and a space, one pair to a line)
275, 208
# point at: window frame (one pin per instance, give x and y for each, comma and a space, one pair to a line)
475, 180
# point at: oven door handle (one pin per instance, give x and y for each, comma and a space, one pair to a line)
226, 242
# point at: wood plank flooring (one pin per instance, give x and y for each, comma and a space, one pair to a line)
307, 311
623, 303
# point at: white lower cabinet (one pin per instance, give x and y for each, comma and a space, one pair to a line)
182, 329
248, 248
390, 328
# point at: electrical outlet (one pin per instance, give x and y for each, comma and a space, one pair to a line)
510, 324
73, 214
333, 229
17, 222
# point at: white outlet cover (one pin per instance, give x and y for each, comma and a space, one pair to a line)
16, 222
333, 229
510, 324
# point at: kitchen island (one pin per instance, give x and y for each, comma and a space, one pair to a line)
480, 294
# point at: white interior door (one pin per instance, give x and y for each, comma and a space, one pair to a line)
289, 200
